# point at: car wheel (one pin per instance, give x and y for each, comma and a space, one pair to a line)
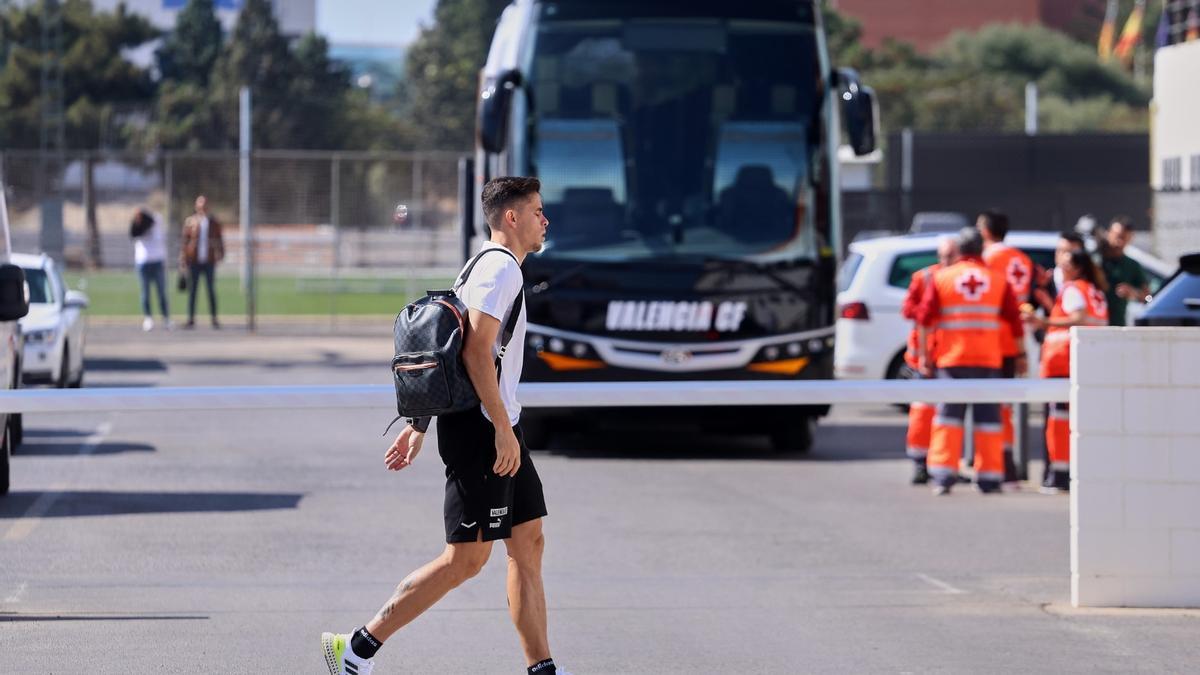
5, 454
794, 436
898, 369
64, 370
78, 381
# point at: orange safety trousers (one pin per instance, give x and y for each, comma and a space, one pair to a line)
1058, 438
946, 443
920, 431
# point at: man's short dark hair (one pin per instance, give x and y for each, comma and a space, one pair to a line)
970, 242
1124, 221
1071, 236
500, 194
996, 223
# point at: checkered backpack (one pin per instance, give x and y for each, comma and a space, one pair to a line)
428, 368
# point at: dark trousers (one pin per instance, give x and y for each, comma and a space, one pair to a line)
153, 273
195, 272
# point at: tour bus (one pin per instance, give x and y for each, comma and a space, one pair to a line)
688, 158
14, 304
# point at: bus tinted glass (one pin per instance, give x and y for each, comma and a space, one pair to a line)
676, 136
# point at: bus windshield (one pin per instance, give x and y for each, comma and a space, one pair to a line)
674, 137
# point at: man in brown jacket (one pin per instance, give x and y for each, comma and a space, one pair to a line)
202, 248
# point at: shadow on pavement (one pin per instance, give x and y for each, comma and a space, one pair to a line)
73, 503
65, 449
833, 443
124, 365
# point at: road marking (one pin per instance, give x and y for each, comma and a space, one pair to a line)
41, 506
938, 583
15, 597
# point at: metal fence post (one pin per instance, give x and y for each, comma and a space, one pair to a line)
417, 179
246, 215
335, 205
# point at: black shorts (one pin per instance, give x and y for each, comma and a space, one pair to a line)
476, 498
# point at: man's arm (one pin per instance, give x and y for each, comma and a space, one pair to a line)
913, 297
482, 330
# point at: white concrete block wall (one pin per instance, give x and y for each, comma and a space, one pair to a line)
1135, 467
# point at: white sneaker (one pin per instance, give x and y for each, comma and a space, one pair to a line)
340, 658
147, 324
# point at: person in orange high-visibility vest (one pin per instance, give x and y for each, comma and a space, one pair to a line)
1080, 303
969, 305
1018, 271
920, 339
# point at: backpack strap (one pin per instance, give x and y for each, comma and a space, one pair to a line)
511, 325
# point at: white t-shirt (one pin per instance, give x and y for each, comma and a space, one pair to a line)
202, 247
492, 289
152, 245
1073, 300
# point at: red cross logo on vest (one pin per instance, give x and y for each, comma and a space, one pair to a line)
1018, 275
972, 285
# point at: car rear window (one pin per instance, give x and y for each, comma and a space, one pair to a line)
906, 264
849, 269
1042, 257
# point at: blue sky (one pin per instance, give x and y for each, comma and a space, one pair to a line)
393, 22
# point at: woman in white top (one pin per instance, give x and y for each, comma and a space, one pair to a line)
149, 255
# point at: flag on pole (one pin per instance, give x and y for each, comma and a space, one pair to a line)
1105, 46
1162, 36
1131, 37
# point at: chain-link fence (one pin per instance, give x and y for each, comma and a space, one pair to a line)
323, 222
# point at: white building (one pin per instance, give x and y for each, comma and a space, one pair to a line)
1175, 149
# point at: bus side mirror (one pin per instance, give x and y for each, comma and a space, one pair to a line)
495, 101
14, 303
859, 111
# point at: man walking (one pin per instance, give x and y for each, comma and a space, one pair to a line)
1017, 269
922, 340
202, 248
969, 305
1126, 278
492, 488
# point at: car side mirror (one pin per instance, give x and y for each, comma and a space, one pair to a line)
14, 302
859, 111
495, 102
76, 299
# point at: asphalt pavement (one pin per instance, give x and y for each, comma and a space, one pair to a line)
198, 542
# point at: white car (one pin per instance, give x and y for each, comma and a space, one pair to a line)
871, 335
56, 326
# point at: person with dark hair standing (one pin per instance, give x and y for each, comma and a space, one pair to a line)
149, 257
202, 248
969, 305
492, 488
1125, 277
1081, 302
1017, 269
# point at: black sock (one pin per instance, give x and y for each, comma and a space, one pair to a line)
543, 668
364, 645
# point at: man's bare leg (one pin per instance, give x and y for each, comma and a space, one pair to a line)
424, 587
526, 595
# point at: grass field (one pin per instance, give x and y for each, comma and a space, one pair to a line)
115, 293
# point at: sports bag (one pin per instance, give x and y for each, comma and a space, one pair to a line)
428, 368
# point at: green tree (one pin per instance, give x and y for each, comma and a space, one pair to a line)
100, 88
443, 71
258, 57
189, 52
